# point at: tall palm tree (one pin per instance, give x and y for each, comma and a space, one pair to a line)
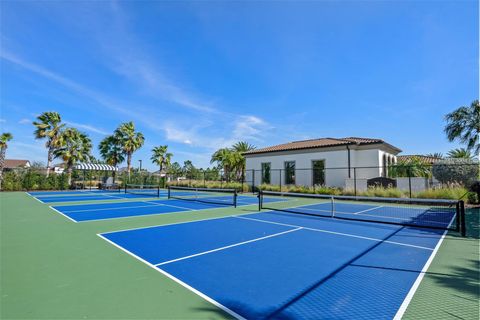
49, 126
75, 147
463, 125
111, 151
161, 157
130, 140
460, 153
239, 160
225, 159
4, 139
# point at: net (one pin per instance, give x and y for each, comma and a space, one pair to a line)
227, 197
435, 213
143, 189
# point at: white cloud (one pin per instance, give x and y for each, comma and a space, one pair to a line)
25, 121
87, 127
3, 120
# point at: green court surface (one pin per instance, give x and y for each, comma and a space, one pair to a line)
52, 268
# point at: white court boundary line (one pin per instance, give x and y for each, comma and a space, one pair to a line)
336, 233
416, 284
180, 282
71, 219
34, 197
227, 247
161, 213
361, 213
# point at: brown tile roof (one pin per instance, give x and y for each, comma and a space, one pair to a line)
422, 158
318, 143
15, 163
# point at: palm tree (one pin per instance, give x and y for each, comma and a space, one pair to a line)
130, 141
463, 125
225, 159
239, 160
460, 153
4, 139
111, 151
161, 157
75, 147
48, 126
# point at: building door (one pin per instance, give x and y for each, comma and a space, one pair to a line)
318, 174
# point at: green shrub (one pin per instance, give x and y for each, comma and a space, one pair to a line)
383, 192
454, 193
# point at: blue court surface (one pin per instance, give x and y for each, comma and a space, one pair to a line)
416, 215
279, 265
101, 211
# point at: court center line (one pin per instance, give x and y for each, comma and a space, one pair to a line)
229, 246
366, 210
337, 233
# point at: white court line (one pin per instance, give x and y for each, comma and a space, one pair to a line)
35, 198
361, 213
180, 282
227, 247
102, 209
63, 214
337, 233
366, 210
416, 284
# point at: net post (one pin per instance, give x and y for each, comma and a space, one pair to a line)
235, 198
168, 192
125, 188
462, 218
332, 198
260, 198
158, 191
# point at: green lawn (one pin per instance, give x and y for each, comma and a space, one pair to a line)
52, 268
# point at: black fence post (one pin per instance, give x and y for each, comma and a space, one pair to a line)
355, 181
280, 181
253, 181
410, 181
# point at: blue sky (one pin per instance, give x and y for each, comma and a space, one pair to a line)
198, 76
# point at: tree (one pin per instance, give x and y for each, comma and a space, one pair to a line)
130, 141
460, 153
161, 157
188, 169
413, 167
4, 139
111, 151
175, 168
463, 125
49, 126
225, 159
239, 159
75, 147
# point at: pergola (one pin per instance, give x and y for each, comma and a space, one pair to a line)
94, 167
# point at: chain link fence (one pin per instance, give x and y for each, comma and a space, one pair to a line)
446, 181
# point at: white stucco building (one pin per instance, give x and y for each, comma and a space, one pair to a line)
332, 162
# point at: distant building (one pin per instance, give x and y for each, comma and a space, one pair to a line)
12, 164
324, 161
